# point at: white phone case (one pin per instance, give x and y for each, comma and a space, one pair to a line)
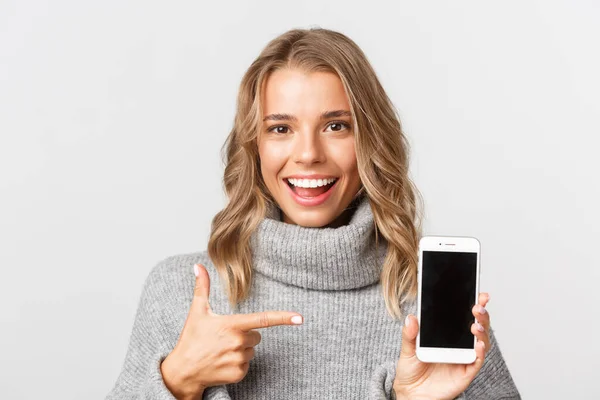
446, 244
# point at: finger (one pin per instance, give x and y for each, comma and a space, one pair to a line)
484, 297
200, 302
473, 368
481, 334
481, 315
249, 354
409, 337
264, 319
252, 338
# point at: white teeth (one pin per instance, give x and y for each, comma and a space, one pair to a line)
311, 183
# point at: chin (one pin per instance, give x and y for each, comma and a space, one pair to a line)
311, 218
319, 223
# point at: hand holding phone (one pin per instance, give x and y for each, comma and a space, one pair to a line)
416, 379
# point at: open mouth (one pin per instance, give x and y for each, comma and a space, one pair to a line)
308, 189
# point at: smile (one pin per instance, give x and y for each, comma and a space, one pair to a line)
310, 192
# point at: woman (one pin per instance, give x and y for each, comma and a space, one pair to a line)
317, 248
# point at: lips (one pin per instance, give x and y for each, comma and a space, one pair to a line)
311, 196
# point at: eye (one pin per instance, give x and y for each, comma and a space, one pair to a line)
338, 123
277, 129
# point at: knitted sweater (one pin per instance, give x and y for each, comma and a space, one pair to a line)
347, 347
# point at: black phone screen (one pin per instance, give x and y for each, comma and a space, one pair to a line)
447, 298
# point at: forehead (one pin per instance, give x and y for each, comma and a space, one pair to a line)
303, 94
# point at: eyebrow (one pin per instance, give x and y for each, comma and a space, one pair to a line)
324, 115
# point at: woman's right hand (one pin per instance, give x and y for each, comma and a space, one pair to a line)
214, 349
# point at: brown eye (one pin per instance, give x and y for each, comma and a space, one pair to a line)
338, 124
278, 129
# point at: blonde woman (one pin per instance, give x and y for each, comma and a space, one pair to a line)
307, 287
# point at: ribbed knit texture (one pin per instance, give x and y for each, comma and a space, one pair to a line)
347, 347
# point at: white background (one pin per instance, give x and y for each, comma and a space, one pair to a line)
113, 114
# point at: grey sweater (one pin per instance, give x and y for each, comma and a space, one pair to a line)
347, 347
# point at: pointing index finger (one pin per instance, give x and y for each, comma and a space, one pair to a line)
265, 319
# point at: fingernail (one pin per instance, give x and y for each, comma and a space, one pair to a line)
482, 310
407, 321
196, 272
296, 319
479, 327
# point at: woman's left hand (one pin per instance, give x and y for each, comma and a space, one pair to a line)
418, 380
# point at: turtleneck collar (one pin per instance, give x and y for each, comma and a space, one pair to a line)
319, 258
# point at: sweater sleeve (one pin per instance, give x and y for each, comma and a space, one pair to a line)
382, 380
140, 376
493, 381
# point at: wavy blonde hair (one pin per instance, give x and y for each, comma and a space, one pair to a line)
382, 153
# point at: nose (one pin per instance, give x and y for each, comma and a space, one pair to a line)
308, 149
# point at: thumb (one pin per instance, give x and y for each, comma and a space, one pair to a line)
409, 337
201, 290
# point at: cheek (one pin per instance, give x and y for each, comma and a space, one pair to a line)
344, 156
272, 160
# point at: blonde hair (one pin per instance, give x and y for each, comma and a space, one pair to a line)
382, 153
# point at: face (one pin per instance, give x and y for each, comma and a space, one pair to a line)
306, 147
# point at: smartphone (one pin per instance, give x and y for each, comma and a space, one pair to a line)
448, 280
